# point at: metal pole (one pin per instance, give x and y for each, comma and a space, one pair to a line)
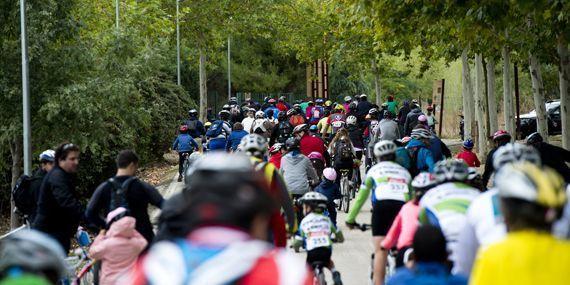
177, 44
441, 112
117, 15
229, 70
517, 100
25, 92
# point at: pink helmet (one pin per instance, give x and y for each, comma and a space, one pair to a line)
316, 155
422, 118
501, 134
406, 139
329, 173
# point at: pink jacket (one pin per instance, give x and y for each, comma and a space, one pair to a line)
118, 249
403, 228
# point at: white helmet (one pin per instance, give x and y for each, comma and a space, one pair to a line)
351, 120
383, 148
515, 152
314, 199
424, 180
421, 133
473, 174
47, 155
254, 145
259, 115
451, 170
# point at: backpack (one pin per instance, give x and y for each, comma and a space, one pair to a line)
316, 113
23, 197
215, 129
413, 168
343, 150
296, 120
285, 130
192, 125
119, 193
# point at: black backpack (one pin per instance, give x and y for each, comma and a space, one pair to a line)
413, 169
191, 124
343, 150
285, 130
23, 197
119, 193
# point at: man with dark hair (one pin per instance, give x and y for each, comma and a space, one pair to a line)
430, 266
138, 196
59, 211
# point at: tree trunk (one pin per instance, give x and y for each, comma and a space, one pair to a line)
563, 75
377, 83
491, 99
480, 106
538, 94
508, 106
16, 152
467, 92
203, 87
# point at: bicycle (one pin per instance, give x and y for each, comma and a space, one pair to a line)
345, 190
319, 272
80, 265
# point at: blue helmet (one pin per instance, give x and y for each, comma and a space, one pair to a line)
468, 144
313, 128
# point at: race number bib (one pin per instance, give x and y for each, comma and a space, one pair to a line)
337, 124
393, 189
318, 239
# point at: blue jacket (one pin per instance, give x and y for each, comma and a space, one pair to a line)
426, 273
275, 111
184, 143
438, 149
235, 138
425, 160
329, 189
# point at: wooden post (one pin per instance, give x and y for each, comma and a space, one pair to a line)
442, 104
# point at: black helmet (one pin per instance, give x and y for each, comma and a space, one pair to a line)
292, 143
534, 138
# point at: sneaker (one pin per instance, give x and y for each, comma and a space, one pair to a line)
336, 278
180, 178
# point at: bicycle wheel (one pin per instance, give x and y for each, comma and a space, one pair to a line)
321, 278
346, 194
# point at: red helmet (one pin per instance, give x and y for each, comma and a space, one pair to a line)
501, 134
183, 128
275, 148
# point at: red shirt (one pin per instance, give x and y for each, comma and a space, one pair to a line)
469, 157
276, 159
310, 143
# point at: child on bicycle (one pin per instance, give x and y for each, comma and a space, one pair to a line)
316, 232
331, 190
343, 154
118, 248
185, 145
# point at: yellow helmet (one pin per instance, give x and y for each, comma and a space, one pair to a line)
207, 124
339, 107
328, 103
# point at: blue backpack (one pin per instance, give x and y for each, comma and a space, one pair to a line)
215, 129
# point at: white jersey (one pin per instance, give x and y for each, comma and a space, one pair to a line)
446, 206
389, 181
317, 229
247, 123
484, 226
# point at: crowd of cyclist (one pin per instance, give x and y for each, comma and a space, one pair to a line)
261, 172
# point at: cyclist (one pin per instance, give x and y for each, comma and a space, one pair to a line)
195, 126
331, 190
295, 117
324, 125
552, 156
31, 257
271, 106
223, 228
468, 155
276, 153
411, 120
316, 231
337, 119
363, 107
47, 159
419, 155
500, 138
346, 104
185, 145
282, 130
474, 179
446, 205
297, 170
308, 143
389, 183
531, 199
485, 223
401, 118
235, 137
401, 233
219, 132
255, 146
260, 125
343, 154
392, 105
247, 122
356, 136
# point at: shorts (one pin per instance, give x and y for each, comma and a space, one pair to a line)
319, 254
383, 214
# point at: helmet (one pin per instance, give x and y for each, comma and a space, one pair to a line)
373, 111
47, 155
352, 105
420, 133
329, 173
183, 128
515, 152
362, 96
414, 101
233, 100
226, 107
271, 101
501, 134
300, 128
451, 170
384, 147
207, 124
473, 174
347, 99
192, 112
259, 115
534, 138
328, 103
351, 120
531, 183
316, 155
276, 147
405, 140
224, 114
291, 112
468, 144
254, 145
33, 251
313, 128
315, 199
319, 100
422, 118
282, 98
291, 143
424, 180
339, 107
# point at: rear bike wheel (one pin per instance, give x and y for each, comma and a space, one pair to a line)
346, 194
320, 277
